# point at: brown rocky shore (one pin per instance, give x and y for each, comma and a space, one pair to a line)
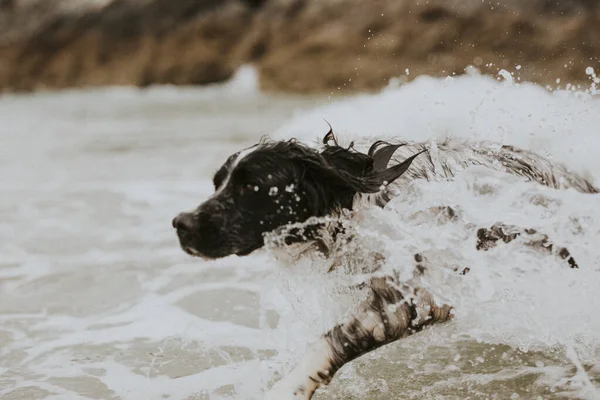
296, 45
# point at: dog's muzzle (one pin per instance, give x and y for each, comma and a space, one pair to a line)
185, 224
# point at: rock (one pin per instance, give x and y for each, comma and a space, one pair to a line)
356, 45
129, 43
297, 45
21, 18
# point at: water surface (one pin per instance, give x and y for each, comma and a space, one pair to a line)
98, 302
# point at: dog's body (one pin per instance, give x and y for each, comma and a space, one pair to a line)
277, 184
444, 159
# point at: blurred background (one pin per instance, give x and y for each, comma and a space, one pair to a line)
305, 46
114, 115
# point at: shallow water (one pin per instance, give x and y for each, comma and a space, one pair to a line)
98, 302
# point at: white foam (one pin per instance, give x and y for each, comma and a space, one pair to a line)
560, 124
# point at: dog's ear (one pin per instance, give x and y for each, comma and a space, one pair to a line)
367, 173
374, 181
335, 176
348, 161
381, 155
380, 152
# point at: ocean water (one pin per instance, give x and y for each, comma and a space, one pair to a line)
97, 301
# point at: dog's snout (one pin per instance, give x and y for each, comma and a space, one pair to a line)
184, 222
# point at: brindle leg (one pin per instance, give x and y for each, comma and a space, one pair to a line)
487, 238
389, 313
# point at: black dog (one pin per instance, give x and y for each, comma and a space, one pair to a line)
275, 184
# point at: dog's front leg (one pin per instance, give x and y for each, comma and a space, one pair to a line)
390, 313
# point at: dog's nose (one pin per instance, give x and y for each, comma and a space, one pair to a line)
184, 222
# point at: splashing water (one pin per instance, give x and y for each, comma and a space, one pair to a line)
97, 300
512, 296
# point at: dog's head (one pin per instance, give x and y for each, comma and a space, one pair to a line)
273, 184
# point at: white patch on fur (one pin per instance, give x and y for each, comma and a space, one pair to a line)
196, 253
316, 359
244, 153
